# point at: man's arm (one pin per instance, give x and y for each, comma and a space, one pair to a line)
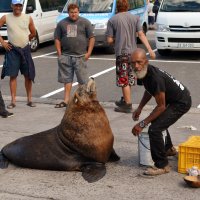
2, 22
90, 47
58, 47
31, 29
144, 40
159, 109
146, 97
5, 45
110, 40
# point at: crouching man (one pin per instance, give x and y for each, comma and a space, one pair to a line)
173, 101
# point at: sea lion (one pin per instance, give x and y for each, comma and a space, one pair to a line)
83, 141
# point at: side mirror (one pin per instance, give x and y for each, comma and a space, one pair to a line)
29, 9
60, 9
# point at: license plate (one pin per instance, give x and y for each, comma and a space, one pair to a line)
185, 45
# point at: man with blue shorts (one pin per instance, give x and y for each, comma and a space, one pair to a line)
74, 41
21, 30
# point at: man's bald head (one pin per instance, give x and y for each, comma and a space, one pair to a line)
139, 63
139, 53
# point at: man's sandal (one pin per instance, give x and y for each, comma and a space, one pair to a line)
61, 105
11, 106
31, 104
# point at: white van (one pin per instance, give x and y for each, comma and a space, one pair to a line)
178, 26
44, 14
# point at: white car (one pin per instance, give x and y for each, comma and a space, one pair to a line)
178, 26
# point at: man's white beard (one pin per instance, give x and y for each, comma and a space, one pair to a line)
141, 74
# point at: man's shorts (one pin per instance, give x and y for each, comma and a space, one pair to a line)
13, 64
124, 72
151, 20
68, 65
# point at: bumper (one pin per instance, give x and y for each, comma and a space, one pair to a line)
189, 41
100, 38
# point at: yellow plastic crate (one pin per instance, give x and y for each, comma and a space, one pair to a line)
189, 154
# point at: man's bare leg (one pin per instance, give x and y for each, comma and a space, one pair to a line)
28, 86
68, 87
13, 89
127, 94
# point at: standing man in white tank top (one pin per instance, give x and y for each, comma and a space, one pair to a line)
21, 30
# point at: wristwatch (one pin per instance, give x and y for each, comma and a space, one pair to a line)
142, 124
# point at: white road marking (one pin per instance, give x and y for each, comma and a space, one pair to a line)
177, 61
103, 59
103, 72
39, 56
44, 55
113, 59
76, 83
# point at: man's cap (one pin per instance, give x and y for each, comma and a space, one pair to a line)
18, 2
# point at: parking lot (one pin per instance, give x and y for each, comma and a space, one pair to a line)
123, 180
182, 65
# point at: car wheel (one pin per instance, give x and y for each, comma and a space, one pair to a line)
34, 44
164, 52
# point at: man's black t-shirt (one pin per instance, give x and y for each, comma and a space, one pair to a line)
158, 80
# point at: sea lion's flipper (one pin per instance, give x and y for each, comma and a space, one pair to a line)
113, 156
3, 161
93, 172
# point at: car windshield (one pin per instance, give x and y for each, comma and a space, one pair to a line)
92, 6
180, 6
5, 6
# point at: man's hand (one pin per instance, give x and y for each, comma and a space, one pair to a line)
137, 129
6, 46
152, 54
136, 114
87, 55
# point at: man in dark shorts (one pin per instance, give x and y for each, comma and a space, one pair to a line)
122, 30
72, 37
173, 101
21, 30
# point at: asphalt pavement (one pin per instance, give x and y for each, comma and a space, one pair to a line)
123, 179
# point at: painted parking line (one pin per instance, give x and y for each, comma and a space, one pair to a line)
175, 61
103, 59
113, 59
47, 54
76, 83
100, 73
44, 55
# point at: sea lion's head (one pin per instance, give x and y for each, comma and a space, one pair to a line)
85, 93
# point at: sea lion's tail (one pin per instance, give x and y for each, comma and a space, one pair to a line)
3, 161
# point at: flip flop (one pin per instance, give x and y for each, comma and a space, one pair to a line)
11, 106
31, 104
61, 105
